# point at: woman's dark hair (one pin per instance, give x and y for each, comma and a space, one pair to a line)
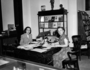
55, 33
61, 5
27, 28
61, 28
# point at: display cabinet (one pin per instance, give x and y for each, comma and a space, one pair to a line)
51, 19
84, 25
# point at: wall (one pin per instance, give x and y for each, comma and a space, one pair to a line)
81, 5
31, 8
30, 18
48, 5
72, 19
88, 10
71, 6
7, 13
26, 13
34, 17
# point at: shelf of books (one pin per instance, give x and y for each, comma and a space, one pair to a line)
84, 25
51, 22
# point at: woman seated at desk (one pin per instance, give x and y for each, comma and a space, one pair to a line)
26, 38
62, 54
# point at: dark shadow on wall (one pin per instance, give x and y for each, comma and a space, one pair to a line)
1, 25
18, 17
87, 5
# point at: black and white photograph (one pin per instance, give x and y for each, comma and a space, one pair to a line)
44, 34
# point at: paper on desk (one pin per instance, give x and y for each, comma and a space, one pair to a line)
48, 46
20, 47
31, 45
34, 42
27, 47
84, 46
39, 50
45, 44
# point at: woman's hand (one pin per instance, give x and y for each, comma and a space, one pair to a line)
55, 44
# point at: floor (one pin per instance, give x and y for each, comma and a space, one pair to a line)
84, 64
28, 65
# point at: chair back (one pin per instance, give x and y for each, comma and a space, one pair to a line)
76, 42
73, 60
70, 55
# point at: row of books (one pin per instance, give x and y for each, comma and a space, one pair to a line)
52, 18
87, 28
88, 38
87, 33
86, 24
51, 25
84, 15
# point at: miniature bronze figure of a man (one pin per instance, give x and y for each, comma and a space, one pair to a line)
52, 4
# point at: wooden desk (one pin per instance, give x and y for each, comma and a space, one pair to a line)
22, 54
44, 57
6, 40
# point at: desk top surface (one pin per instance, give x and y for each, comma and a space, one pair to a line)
35, 46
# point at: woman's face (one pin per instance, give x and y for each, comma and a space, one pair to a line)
28, 30
60, 31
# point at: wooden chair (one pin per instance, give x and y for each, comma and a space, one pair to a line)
79, 46
88, 47
76, 39
8, 46
71, 63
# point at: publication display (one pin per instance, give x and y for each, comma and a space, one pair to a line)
51, 19
84, 25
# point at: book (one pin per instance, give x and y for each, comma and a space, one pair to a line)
41, 25
54, 24
60, 24
42, 19
46, 25
50, 24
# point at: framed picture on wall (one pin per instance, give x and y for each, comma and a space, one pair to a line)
87, 5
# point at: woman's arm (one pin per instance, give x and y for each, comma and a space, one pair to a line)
63, 45
21, 40
31, 40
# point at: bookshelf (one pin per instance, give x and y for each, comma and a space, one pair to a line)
51, 19
84, 25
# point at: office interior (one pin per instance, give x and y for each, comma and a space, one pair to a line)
25, 13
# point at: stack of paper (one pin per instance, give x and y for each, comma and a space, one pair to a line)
34, 42
39, 50
48, 46
27, 47
21, 47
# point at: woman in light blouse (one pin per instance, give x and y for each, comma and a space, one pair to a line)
64, 44
26, 38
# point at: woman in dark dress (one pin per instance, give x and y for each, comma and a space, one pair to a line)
62, 54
